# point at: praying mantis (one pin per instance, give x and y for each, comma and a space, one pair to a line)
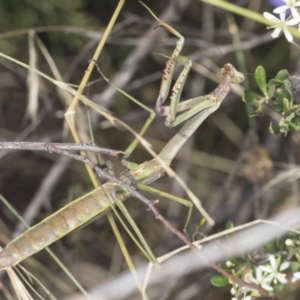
103, 198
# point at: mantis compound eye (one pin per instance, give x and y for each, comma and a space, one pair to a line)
230, 71
227, 70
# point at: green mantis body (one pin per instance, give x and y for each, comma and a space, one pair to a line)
96, 203
100, 200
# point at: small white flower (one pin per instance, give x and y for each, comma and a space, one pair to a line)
262, 279
289, 4
296, 276
289, 242
281, 24
233, 291
229, 264
274, 268
243, 292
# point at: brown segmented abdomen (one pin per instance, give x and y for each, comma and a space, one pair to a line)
70, 217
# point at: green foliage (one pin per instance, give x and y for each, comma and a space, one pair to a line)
278, 288
54, 16
219, 280
270, 247
271, 268
30, 13
294, 266
229, 225
277, 93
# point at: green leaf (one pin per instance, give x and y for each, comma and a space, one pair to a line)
282, 75
278, 288
272, 90
283, 93
294, 266
286, 106
274, 128
293, 235
270, 247
277, 105
219, 280
275, 82
296, 109
281, 244
287, 84
290, 117
229, 224
251, 97
237, 260
260, 78
224, 266
295, 124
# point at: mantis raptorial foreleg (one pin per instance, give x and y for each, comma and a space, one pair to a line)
194, 110
192, 106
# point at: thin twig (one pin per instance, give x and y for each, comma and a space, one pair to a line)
26, 132
39, 146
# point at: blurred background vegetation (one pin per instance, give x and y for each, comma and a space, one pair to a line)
227, 163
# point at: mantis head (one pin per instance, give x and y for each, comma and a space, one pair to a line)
235, 76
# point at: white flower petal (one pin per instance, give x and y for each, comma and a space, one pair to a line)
272, 259
291, 22
258, 273
266, 287
266, 269
288, 35
295, 14
296, 276
282, 279
284, 266
282, 16
229, 263
280, 9
275, 34
269, 278
270, 17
